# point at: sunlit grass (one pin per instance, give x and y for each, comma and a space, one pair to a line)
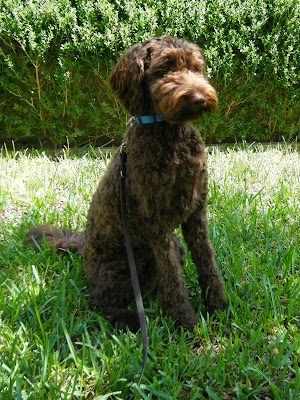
53, 347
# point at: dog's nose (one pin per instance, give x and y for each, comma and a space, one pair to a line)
198, 99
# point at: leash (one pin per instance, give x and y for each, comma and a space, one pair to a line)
132, 266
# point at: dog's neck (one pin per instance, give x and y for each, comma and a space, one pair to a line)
149, 119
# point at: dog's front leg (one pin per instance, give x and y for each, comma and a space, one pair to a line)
196, 234
173, 292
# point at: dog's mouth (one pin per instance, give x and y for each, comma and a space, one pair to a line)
192, 106
185, 107
184, 98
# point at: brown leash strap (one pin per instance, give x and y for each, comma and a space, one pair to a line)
130, 256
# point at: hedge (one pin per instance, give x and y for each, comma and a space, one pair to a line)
55, 56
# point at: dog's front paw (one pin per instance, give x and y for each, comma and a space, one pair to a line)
216, 300
129, 319
121, 318
189, 323
188, 318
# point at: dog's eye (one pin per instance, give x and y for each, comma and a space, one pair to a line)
170, 62
198, 68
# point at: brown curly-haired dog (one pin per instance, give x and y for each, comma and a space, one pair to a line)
166, 186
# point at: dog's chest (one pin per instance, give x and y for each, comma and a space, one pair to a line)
167, 175
170, 187
188, 167
189, 179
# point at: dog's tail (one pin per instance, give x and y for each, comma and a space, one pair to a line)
61, 240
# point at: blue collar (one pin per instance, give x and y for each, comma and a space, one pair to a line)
149, 119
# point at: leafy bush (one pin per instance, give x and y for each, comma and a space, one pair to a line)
56, 56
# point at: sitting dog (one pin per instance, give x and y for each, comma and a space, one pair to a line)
162, 84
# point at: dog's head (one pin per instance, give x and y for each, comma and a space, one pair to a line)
164, 76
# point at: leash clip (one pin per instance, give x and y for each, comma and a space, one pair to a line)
123, 157
122, 147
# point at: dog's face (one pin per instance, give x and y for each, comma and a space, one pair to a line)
164, 76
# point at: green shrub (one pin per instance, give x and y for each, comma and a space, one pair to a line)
55, 56
253, 49
51, 82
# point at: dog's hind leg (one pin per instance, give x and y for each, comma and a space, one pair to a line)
111, 291
111, 288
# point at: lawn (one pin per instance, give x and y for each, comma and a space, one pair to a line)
53, 347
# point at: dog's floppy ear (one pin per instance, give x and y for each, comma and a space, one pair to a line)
126, 78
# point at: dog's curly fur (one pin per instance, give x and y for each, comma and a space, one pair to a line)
166, 186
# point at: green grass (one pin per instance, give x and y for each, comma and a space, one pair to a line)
53, 347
